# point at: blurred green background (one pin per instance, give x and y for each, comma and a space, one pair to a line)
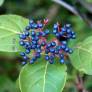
37, 9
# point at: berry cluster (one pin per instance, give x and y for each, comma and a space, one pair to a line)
34, 40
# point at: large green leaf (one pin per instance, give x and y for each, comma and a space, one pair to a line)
10, 28
89, 1
1, 2
42, 77
81, 29
82, 56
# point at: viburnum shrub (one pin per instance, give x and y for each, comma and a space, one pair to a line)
45, 51
34, 39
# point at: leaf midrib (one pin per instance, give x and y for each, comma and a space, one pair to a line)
44, 78
4, 36
8, 29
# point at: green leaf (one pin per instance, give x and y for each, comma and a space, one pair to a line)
6, 85
42, 77
81, 58
81, 29
1, 2
10, 28
89, 1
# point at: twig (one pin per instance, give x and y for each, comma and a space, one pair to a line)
85, 4
75, 11
80, 84
67, 6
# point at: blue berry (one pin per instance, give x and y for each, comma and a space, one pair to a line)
70, 51
47, 32
43, 43
69, 36
57, 35
34, 59
51, 61
59, 47
40, 25
53, 44
68, 25
36, 38
73, 36
48, 45
35, 26
27, 44
27, 28
22, 43
34, 42
22, 53
27, 51
38, 46
61, 55
52, 50
52, 57
64, 42
26, 33
37, 55
31, 22
61, 33
38, 33
55, 31
22, 36
25, 58
55, 26
47, 57
56, 52
68, 30
47, 51
66, 49
73, 33
23, 62
39, 50
63, 30
61, 60
63, 47
32, 33
43, 34
31, 61
33, 46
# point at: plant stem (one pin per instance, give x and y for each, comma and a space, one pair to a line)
80, 84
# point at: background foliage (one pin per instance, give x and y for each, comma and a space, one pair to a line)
81, 59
